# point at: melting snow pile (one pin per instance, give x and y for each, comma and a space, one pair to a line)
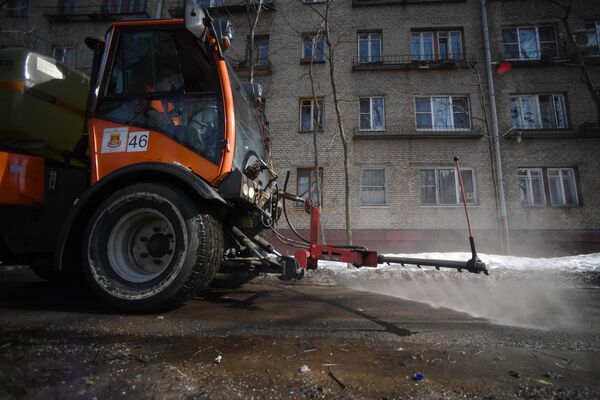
496, 264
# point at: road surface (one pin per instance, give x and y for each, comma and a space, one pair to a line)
270, 340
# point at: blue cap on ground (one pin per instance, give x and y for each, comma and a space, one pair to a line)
418, 377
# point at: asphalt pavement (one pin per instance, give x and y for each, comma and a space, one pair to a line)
282, 341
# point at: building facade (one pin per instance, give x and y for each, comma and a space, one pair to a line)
413, 93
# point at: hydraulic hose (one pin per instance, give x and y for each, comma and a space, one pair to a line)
287, 178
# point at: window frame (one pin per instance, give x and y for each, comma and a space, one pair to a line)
435, 36
70, 7
562, 186
451, 105
595, 27
545, 183
458, 194
310, 171
371, 114
538, 42
19, 10
369, 56
529, 187
118, 7
259, 39
385, 186
316, 57
313, 109
538, 125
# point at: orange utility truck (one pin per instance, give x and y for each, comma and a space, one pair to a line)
152, 176
174, 152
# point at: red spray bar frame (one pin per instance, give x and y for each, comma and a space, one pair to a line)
359, 257
362, 257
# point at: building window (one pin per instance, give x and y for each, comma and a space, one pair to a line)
371, 114
593, 38
133, 6
546, 111
440, 187
17, 8
369, 47
70, 6
530, 43
313, 48
306, 184
442, 113
562, 187
373, 187
531, 187
311, 115
260, 50
436, 46
65, 55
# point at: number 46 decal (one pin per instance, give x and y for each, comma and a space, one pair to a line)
137, 141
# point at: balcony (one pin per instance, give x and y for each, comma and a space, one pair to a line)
261, 67
409, 62
93, 11
176, 7
411, 132
560, 55
357, 3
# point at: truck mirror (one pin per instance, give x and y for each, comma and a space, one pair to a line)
194, 18
94, 44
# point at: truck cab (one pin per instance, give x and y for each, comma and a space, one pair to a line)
171, 171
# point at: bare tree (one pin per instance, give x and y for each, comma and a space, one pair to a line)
253, 10
324, 33
330, 55
316, 124
565, 8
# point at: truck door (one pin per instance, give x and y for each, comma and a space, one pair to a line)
159, 100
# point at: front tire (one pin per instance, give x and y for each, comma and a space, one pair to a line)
148, 246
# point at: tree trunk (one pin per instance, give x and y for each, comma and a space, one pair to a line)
314, 139
252, 23
331, 50
579, 58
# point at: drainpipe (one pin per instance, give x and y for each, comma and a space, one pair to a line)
502, 216
159, 8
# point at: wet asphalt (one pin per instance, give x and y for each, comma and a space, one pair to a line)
282, 341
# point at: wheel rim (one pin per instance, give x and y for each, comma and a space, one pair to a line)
141, 245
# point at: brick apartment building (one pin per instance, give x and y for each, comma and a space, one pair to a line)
411, 78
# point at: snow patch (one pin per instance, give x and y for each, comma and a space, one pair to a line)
495, 263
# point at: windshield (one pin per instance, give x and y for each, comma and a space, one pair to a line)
249, 139
160, 80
